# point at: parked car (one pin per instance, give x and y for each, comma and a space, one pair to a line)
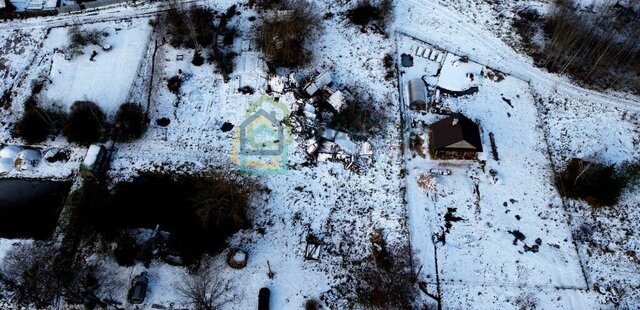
264, 298
440, 171
138, 289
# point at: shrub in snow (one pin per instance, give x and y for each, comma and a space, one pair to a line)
125, 252
367, 11
597, 183
527, 301
198, 212
129, 122
282, 38
223, 61
86, 123
177, 27
379, 250
36, 86
174, 84
389, 65
79, 38
229, 36
202, 23
197, 59
237, 258
359, 118
218, 210
266, 4
246, 90
312, 304
36, 124
629, 171
205, 290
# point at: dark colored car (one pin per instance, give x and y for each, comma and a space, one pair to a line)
138, 289
264, 298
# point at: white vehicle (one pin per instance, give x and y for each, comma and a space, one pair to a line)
440, 171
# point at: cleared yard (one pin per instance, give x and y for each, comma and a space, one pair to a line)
108, 78
496, 224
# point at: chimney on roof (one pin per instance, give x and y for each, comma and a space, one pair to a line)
454, 122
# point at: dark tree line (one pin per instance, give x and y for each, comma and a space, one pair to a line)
85, 123
598, 45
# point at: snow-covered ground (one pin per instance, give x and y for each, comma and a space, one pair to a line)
480, 215
324, 201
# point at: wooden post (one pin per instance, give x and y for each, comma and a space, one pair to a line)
270, 274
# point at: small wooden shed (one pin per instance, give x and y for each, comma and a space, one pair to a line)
94, 163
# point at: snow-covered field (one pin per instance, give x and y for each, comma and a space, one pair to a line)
467, 231
607, 238
324, 201
106, 78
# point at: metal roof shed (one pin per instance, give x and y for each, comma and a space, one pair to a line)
417, 94
318, 83
94, 163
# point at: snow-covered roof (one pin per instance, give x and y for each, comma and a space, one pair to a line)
2, 4
92, 156
344, 142
318, 83
366, 149
329, 148
277, 84
337, 100
310, 111
27, 159
6, 165
329, 134
37, 5
251, 70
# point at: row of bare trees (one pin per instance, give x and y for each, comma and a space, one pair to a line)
598, 45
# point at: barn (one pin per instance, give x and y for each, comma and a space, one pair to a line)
455, 137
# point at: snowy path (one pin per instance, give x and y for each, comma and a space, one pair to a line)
439, 26
105, 14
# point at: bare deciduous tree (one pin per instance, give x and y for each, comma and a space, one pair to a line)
205, 290
29, 270
283, 36
598, 46
40, 274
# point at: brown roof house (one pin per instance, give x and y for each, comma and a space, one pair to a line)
455, 137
